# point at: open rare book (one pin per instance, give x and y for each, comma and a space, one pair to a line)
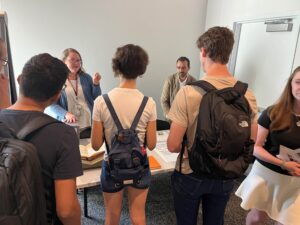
89, 154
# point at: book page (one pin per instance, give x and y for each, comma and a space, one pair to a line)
87, 152
288, 154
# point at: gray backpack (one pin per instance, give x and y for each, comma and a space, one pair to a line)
22, 192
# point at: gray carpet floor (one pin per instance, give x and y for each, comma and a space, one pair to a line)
159, 207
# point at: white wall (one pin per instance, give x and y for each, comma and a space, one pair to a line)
271, 69
167, 29
226, 12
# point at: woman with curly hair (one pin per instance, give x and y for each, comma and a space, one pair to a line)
129, 63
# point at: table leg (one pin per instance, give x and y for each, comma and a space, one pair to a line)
85, 206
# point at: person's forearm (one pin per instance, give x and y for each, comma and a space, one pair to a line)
73, 218
262, 154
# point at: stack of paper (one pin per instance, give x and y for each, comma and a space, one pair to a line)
162, 149
288, 154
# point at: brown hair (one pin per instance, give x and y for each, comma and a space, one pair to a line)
281, 112
66, 53
218, 43
182, 59
130, 61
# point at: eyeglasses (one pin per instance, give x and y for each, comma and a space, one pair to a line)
4, 62
74, 60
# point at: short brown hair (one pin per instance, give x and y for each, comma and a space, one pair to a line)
182, 59
130, 61
218, 43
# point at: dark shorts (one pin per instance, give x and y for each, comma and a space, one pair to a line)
109, 185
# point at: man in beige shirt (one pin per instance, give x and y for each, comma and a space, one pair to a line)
188, 189
175, 82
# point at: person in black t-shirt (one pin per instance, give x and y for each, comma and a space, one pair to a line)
272, 188
41, 81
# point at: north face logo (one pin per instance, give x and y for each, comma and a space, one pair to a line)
244, 123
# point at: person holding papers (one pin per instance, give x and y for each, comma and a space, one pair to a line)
272, 188
129, 63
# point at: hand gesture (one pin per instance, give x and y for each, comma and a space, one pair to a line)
293, 168
70, 118
96, 78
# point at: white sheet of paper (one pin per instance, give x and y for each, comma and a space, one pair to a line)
162, 151
288, 154
162, 136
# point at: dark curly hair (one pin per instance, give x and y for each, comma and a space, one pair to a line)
130, 61
218, 43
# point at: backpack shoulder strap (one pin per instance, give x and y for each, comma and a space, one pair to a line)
112, 112
34, 125
6, 132
139, 113
241, 87
206, 86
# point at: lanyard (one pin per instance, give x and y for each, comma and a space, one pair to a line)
75, 89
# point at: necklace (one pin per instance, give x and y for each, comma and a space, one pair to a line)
75, 89
77, 107
298, 120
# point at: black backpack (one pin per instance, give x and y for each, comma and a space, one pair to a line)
22, 192
222, 146
126, 158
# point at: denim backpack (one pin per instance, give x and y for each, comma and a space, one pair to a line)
127, 159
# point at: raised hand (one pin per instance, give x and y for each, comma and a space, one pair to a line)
96, 78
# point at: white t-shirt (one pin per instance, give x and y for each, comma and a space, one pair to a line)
77, 104
182, 83
126, 103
